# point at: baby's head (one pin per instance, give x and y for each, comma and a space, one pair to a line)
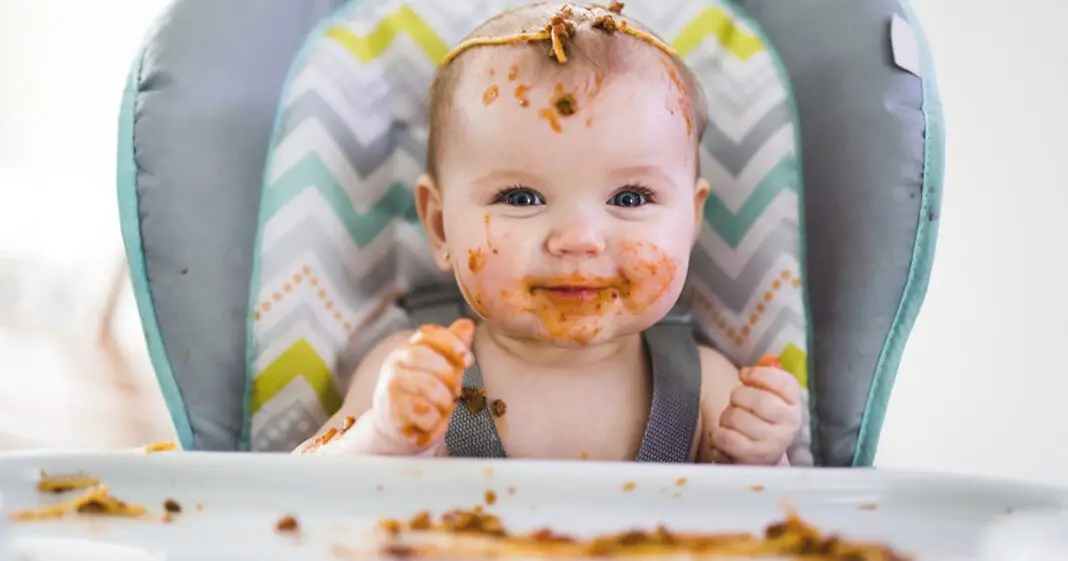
562, 187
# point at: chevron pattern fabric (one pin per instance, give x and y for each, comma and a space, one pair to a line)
339, 240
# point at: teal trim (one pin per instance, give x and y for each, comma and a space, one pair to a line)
130, 223
799, 182
265, 212
923, 252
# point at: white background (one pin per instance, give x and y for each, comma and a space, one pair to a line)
984, 381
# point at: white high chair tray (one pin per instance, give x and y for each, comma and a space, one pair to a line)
337, 501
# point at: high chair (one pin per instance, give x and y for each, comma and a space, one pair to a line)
267, 152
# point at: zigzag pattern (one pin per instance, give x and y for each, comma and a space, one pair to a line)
351, 140
285, 421
295, 329
734, 152
767, 166
735, 291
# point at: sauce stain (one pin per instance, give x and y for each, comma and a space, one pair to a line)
683, 99
644, 274
490, 95
489, 238
476, 260
550, 115
598, 83
521, 95
564, 102
513, 72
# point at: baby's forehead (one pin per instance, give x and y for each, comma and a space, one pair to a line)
530, 66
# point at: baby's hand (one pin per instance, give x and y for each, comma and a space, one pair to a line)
763, 418
419, 384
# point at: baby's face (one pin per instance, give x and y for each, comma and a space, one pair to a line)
570, 207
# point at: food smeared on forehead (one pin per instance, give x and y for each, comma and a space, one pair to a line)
578, 47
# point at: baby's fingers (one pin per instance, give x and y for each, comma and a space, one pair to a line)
434, 390
464, 329
774, 380
748, 424
454, 343
417, 416
420, 359
734, 444
766, 405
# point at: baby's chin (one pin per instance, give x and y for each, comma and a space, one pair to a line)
569, 332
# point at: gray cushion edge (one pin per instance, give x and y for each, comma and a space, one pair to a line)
922, 255
130, 224
852, 306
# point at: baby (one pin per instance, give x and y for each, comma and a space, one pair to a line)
563, 193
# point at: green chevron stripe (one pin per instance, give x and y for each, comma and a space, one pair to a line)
733, 227
299, 361
373, 45
717, 22
311, 173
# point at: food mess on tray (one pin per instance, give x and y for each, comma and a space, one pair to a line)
97, 500
160, 447
480, 533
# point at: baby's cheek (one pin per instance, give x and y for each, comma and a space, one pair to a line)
488, 282
652, 276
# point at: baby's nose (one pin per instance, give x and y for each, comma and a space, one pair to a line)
580, 237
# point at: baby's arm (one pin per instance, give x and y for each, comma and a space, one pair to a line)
401, 396
749, 416
358, 400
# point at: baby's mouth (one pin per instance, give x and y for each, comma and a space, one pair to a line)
572, 292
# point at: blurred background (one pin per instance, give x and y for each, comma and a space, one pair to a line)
982, 386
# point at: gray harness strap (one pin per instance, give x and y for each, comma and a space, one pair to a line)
676, 403
674, 360
473, 435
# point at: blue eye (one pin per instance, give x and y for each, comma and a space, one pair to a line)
518, 196
631, 197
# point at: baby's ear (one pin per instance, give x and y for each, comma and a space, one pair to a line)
428, 205
700, 196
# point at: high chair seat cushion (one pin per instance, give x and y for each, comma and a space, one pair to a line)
825, 156
194, 128
339, 239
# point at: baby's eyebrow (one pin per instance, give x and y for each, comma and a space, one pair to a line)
650, 172
499, 176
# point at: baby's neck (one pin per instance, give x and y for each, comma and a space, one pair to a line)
547, 357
